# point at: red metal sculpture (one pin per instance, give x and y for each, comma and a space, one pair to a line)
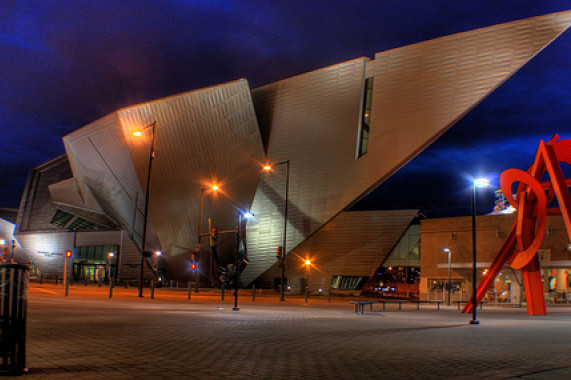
531, 200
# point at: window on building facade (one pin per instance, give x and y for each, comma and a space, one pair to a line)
82, 224
90, 261
61, 218
348, 282
365, 127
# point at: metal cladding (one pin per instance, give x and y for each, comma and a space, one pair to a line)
203, 137
419, 92
353, 243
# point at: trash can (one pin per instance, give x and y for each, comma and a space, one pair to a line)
13, 316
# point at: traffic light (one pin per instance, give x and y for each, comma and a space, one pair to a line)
193, 260
279, 252
213, 236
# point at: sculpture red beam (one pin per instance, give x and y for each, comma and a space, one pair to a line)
531, 201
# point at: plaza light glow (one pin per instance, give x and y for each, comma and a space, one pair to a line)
481, 182
307, 262
138, 133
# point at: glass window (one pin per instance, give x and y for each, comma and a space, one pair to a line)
366, 117
61, 218
348, 282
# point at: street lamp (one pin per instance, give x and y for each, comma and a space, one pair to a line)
213, 188
268, 167
139, 133
447, 250
307, 268
110, 256
480, 182
245, 215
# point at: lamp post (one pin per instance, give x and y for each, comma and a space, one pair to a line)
199, 234
283, 251
148, 187
480, 182
65, 279
447, 250
307, 269
155, 266
245, 215
110, 256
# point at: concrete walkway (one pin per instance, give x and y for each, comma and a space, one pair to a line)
87, 336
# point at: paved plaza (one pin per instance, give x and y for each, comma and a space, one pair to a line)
88, 336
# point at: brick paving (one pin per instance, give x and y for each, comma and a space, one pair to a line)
88, 336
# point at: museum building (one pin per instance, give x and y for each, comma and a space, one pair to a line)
147, 178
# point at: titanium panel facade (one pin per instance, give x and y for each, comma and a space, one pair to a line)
204, 137
101, 163
353, 243
419, 92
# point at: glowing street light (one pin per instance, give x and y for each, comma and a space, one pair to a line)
146, 215
307, 268
239, 232
479, 182
110, 256
448, 251
267, 168
213, 188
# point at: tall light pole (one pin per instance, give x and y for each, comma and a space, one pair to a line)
199, 233
283, 252
447, 250
480, 182
144, 243
307, 269
239, 232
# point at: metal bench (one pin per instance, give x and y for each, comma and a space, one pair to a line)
418, 302
360, 305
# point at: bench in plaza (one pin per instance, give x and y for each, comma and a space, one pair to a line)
418, 302
360, 304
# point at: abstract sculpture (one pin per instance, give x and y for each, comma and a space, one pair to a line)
531, 200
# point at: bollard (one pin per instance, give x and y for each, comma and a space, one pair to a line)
56, 279
189, 290
253, 292
66, 288
306, 294
223, 289
153, 289
111, 288
329, 295
13, 315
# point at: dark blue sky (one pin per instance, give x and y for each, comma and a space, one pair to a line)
67, 63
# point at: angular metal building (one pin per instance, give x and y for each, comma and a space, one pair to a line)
342, 130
